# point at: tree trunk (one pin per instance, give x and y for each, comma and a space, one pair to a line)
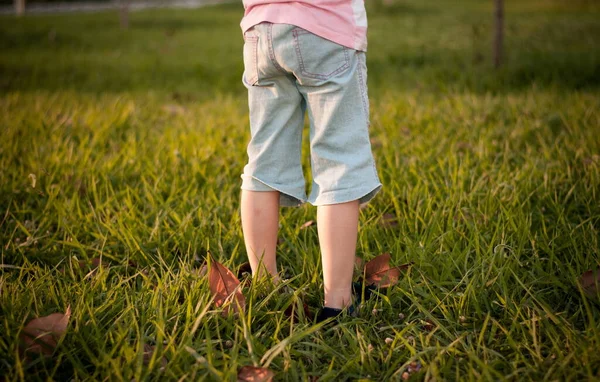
19, 7
124, 14
498, 32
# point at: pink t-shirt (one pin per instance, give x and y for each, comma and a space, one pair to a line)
341, 21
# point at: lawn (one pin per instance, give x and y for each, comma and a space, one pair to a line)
127, 145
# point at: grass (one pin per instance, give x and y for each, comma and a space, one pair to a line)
128, 145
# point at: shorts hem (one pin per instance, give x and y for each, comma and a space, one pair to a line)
363, 195
286, 198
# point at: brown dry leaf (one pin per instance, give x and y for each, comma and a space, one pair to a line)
293, 309
225, 287
590, 282
41, 335
389, 220
95, 263
379, 273
148, 352
255, 374
428, 325
307, 224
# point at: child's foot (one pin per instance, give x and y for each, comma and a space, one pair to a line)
327, 313
352, 310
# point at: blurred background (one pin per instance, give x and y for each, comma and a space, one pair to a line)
191, 47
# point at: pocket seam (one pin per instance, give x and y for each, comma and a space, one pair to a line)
253, 40
297, 32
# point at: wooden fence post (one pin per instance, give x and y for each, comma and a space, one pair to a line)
124, 14
19, 7
498, 32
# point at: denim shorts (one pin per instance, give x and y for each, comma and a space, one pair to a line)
289, 71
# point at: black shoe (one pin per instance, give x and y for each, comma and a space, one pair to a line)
327, 313
357, 293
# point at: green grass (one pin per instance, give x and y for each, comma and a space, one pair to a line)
137, 139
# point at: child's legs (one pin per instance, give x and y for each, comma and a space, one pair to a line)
338, 229
260, 220
343, 167
273, 175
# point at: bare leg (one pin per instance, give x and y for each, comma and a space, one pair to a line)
260, 221
338, 231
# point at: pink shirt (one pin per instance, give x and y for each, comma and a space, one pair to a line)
341, 21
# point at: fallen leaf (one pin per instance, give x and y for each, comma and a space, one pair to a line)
590, 282
428, 325
132, 264
293, 309
379, 273
95, 263
255, 374
225, 287
307, 224
41, 335
389, 220
149, 352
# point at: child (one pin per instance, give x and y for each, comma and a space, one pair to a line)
307, 55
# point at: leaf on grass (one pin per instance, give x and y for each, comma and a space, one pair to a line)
292, 309
41, 335
149, 352
225, 288
307, 224
389, 220
378, 271
428, 325
590, 282
255, 374
95, 263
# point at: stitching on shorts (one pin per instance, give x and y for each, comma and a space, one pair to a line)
271, 50
363, 90
253, 40
364, 95
346, 65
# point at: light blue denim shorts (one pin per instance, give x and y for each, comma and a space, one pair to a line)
289, 71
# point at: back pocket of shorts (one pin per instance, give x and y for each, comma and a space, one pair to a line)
318, 57
250, 76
